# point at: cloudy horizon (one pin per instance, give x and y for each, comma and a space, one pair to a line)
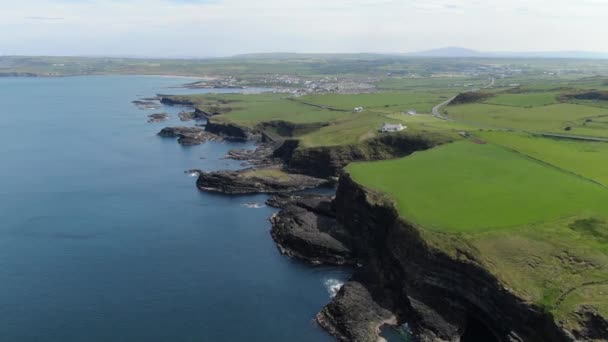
210, 28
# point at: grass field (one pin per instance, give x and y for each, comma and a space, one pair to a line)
385, 102
542, 231
552, 118
467, 187
250, 110
532, 99
588, 159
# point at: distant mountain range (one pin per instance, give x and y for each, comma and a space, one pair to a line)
459, 52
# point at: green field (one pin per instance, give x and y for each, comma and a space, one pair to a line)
554, 118
542, 231
385, 102
532, 99
467, 187
250, 110
585, 158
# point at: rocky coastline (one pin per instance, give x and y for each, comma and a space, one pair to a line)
255, 180
188, 135
399, 277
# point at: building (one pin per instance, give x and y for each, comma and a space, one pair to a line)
412, 112
358, 110
389, 128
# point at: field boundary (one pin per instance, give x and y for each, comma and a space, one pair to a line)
538, 160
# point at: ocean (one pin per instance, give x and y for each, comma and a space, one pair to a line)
103, 237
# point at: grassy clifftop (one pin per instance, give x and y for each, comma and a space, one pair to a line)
539, 229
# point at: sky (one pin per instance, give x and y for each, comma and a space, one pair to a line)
207, 28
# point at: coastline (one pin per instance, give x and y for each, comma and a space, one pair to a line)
412, 281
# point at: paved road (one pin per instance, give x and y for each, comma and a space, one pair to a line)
492, 83
437, 108
437, 114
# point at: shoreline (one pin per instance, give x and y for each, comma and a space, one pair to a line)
400, 274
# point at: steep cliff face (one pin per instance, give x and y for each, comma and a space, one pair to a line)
329, 161
230, 131
442, 294
286, 129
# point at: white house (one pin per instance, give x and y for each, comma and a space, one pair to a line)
412, 112
389, 128
358, 110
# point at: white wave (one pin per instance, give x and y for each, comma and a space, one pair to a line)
253, 205
333, 286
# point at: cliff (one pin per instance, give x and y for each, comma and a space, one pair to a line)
329, 161
255, 180
435, 283
230, 131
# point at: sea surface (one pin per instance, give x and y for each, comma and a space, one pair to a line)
103, 237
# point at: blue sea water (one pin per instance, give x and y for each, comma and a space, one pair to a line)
104, 238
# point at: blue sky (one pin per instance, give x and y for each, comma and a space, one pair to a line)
196, 28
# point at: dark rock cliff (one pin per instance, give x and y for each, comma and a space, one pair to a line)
441, 293
253, 180
445, 294
230, 131
329, 161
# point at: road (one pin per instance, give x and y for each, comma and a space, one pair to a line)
492, 83
437, 114
437, 108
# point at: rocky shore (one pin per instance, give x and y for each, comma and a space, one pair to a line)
401, 277
159, 117
188, 135
256, 180
307, 228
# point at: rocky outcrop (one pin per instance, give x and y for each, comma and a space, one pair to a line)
231, 131
255, 181
329, 161
354, 315
145, 104
159, 117
175, 100
594, 327
261, 156
187, 135
307, 229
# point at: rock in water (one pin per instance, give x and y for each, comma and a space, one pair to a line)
159, 117
268, 180
187, 135
186, 116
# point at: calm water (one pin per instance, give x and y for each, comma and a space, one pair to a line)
104, 238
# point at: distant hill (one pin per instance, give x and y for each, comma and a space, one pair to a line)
449, 52
459, 52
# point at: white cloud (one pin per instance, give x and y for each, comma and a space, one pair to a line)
221, 27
